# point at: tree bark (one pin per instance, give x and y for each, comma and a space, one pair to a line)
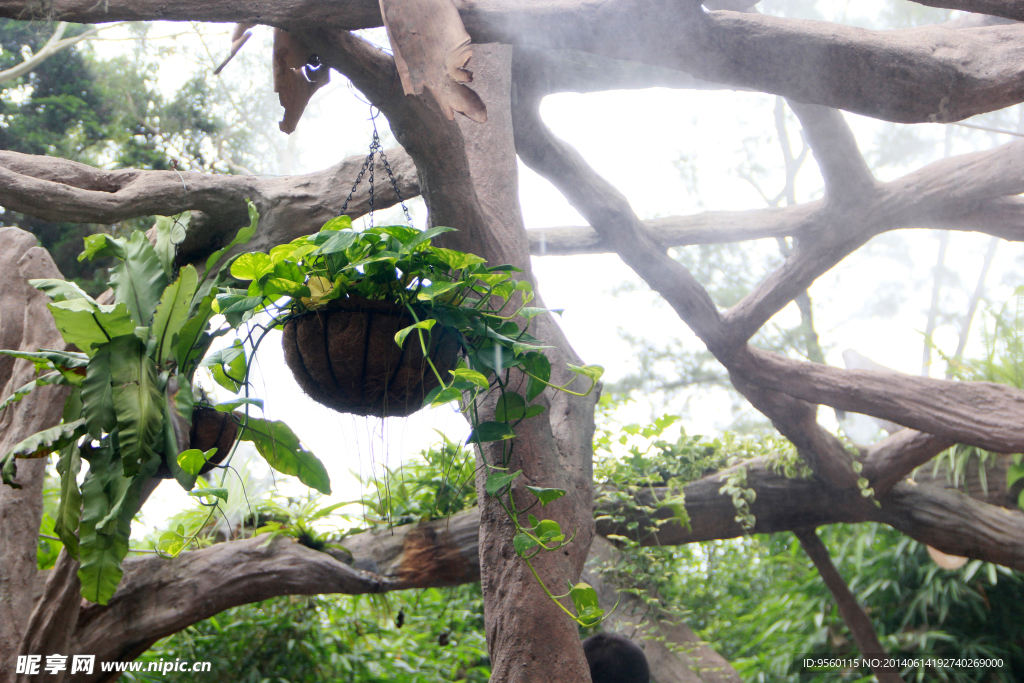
853, 614
25, 324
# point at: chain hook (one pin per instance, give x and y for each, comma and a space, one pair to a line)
375, 149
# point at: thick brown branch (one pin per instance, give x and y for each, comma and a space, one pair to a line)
1009, 9
913, 75
846, 174
982, 414
853, 614
950, 521
609, 212
891, 460
200, 584
60, 190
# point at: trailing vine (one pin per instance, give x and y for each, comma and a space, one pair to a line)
444, 292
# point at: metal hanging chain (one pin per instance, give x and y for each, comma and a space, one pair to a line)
375, 148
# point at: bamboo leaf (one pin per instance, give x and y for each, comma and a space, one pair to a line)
497, 480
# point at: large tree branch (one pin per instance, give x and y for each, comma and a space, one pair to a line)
159, 597
610, 214
853, 614
948, 520
913, 75
982, 414
60, 190
1009, 9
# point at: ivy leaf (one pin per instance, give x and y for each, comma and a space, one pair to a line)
228, 406
439, 396
48, 440
456, 260
138, 402
228, 366
485, 432
592, 372
539, 367
193, 459
584, 597
252, 265
497, 480
511, 406
214, 492
139, 279
495, 356
436, 289
422, 239
523, 543
285, 453
241, 237
467, 375
336, 243
421, 325
237, 303
545, 496
172, 312
338, 223
533, 411
549, 531
1014, 474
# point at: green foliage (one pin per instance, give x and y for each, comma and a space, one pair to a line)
340, 638
760, 603
445, 291
439, 483
100, 112
134, 400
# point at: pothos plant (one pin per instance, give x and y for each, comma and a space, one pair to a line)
132, 394
444, 292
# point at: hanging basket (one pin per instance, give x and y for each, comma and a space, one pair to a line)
210, 429
345, 357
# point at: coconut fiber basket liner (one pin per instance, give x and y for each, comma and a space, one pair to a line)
210, 429
345, 357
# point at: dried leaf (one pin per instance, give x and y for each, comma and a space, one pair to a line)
431, 48
238, 38
291, 83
